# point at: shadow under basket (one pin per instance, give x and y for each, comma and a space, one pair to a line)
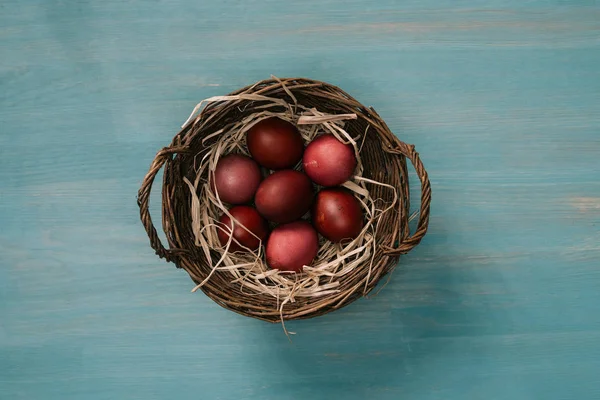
383, 158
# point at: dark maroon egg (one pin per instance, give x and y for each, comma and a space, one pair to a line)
247, 217
292, 246
337, 214
328, 162
236, 179
284, 196
275, 143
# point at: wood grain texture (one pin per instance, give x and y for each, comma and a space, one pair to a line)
500, 301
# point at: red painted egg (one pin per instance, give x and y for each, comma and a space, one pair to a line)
275, 143
292, 246
284, 196
337, 214
248, 219
329, 162
236, 179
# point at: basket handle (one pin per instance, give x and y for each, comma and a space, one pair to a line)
143, 200
409, 243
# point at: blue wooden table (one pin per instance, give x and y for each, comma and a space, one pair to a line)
500, 301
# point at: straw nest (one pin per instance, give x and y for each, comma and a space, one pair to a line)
242, 282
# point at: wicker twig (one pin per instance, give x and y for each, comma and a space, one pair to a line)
383, 157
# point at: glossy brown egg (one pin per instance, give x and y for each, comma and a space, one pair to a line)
236, 179
248, 219
328, 162
292, 246
275, 143
337, 214
284, 196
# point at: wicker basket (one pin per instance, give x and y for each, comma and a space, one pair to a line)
384, 159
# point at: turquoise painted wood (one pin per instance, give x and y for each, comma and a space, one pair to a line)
500, 301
